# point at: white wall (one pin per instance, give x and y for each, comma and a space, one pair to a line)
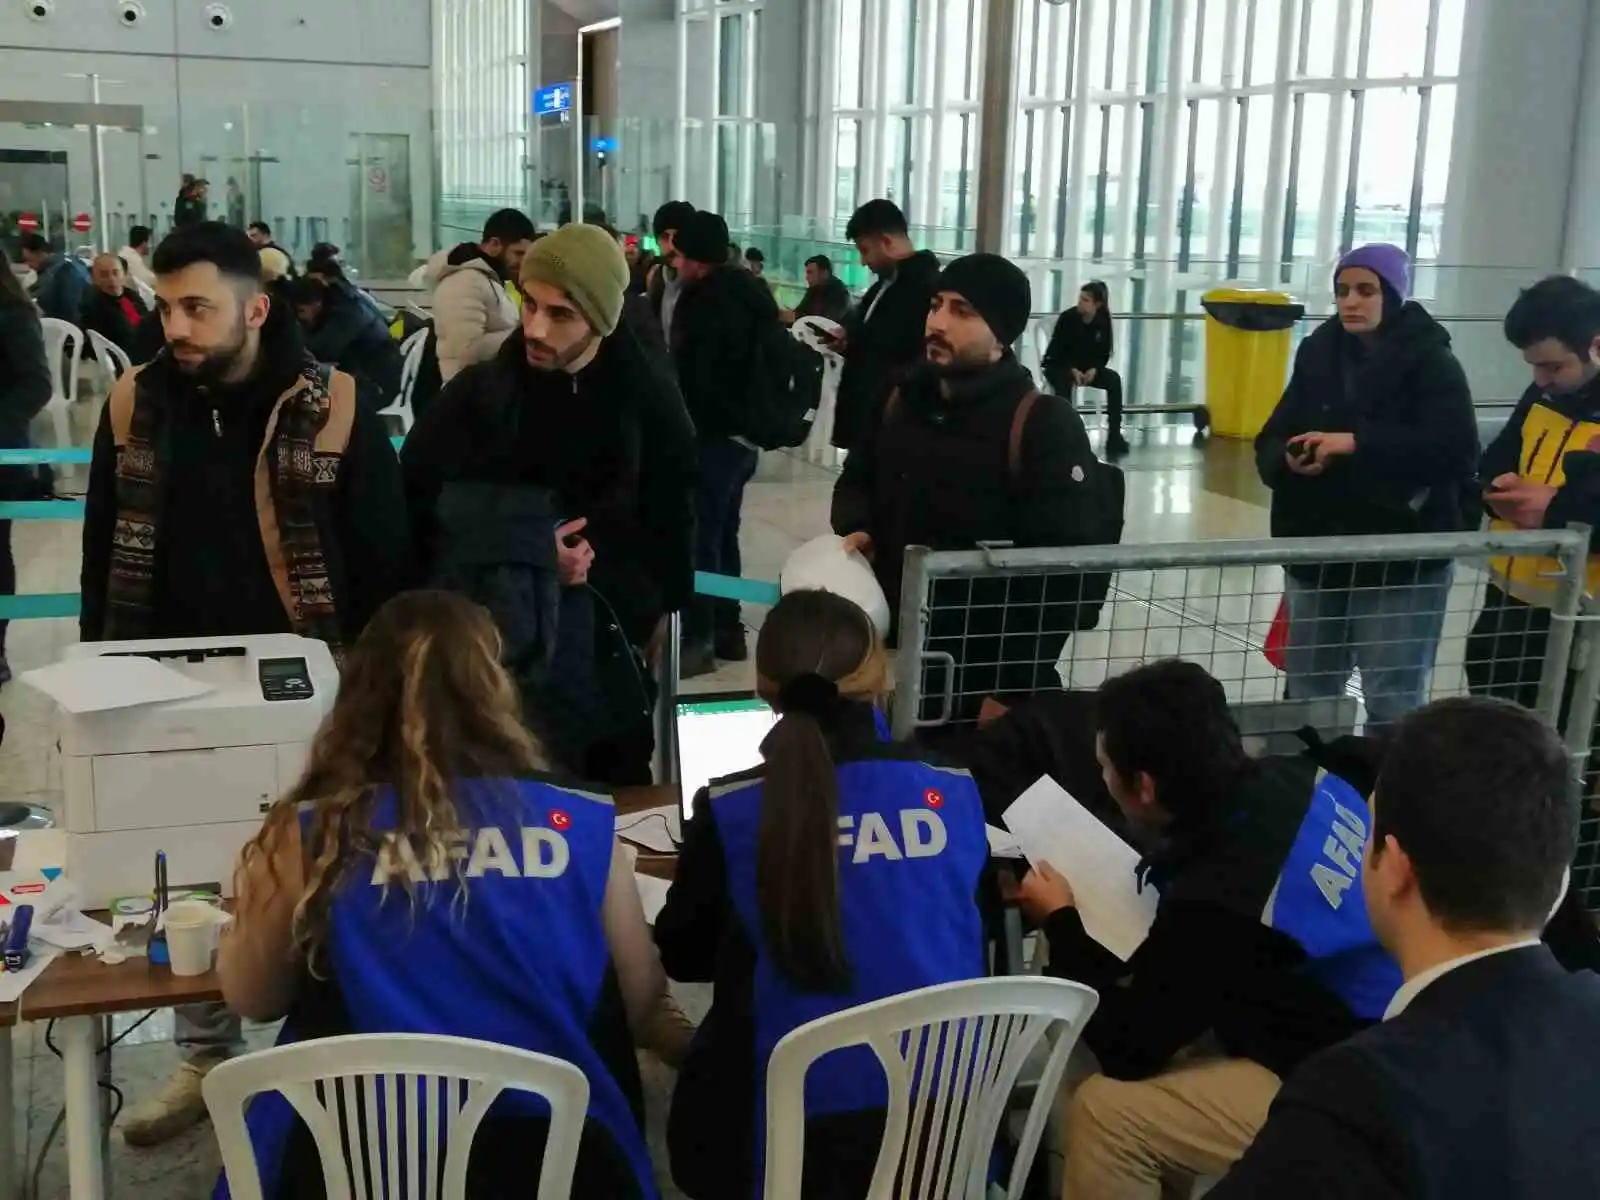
287, 79
1523, 74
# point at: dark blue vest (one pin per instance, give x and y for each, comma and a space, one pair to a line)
519, 958
1319, 903
911, 849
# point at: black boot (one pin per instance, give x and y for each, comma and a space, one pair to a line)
1116, 444
730, 644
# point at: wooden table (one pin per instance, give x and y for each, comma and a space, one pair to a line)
78, 991
639, 799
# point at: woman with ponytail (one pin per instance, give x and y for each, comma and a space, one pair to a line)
840, 871
426, 876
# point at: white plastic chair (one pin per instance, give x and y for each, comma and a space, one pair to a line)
818, 447
396, 1074
952, 1055
63, 345
111, 358
411, 351
146, 293
1042, 330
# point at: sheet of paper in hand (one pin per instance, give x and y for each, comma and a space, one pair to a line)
1053, 827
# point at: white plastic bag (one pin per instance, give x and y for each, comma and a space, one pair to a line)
823, 563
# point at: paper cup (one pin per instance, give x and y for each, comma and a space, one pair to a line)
191, 927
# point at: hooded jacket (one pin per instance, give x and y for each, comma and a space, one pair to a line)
886, 333
1405, 398
715, 332
1554, 440
354, 338
611, 443
472, 312
60, 287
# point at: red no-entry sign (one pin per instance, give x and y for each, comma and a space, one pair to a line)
28, 222
81, 223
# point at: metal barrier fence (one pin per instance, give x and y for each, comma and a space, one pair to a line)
1372, 628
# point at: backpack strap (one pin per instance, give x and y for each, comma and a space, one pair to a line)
1019, 422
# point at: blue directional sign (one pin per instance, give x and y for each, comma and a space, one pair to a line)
548, 101
604, 145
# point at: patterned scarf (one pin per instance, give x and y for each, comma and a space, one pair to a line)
295, 466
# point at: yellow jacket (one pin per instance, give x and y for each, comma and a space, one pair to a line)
1552, 440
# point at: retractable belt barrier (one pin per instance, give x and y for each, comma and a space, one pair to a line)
47, 605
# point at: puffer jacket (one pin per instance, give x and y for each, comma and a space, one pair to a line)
472, 312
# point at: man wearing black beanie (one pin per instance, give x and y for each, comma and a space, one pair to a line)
967, 451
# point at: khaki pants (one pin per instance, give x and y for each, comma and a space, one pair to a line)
1122, 1139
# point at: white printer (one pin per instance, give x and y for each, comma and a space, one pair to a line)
194, 776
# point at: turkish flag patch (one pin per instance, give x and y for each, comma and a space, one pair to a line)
559, 819
932, 798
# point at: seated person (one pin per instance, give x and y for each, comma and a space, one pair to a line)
826, 294
112, 307
1484, 1079
344, 333
1260, 937
842, 871
449, 888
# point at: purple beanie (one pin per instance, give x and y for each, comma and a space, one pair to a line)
1388, 263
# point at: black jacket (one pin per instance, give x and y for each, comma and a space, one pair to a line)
612, 443
104, 315
1484, 1088
1210, 964
887, 333
715, 331
829, 299
936, 472
353, 337
702, 939
211, 575
1076, 345
1406, 400
24, 372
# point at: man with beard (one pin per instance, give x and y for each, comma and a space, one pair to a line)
968, 451
570, 454
1541, 472
235, 490
472, 311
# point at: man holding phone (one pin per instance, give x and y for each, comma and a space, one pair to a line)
1541, 472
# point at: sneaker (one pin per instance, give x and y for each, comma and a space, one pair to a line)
696, 658
1116, 445
174, 1108
730, 645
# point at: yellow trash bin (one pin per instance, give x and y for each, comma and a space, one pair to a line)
1248, 333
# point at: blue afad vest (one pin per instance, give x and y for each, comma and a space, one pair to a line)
911, 849
1319, 903
519, 959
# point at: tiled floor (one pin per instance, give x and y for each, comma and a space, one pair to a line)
1176, 492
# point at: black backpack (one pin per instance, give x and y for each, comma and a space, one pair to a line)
785, 391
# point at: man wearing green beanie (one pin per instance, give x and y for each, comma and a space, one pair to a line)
577, 412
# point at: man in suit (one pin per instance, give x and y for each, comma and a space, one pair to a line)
1484, 1078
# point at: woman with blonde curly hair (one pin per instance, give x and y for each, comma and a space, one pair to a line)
426, 876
